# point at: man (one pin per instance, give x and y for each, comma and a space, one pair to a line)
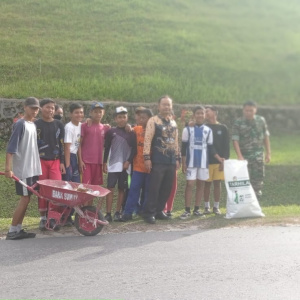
162, 158
250, 137
222, 150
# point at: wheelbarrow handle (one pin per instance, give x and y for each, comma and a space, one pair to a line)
31, 189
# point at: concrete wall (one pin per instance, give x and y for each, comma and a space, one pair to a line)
281, 120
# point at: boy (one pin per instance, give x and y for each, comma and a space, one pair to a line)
194, 151
50, 137
119, 154
250, 137
22, 154
72, 142
140, 176
222, 148
91, 146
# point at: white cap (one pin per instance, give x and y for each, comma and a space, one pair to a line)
121, 109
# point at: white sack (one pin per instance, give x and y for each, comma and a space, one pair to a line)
241, 198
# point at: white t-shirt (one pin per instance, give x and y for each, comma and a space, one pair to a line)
72, 136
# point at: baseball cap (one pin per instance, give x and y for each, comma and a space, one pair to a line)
121, 109
140, 109
97, 104
32, 102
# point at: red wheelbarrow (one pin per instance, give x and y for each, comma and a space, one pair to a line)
89, 220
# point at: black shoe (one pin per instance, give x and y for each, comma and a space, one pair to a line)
169, 214
42, 225
162, 216
150, 219
22, 234
126, 217
108, 218
117, 216
53, 225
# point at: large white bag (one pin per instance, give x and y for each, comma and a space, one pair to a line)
241, 198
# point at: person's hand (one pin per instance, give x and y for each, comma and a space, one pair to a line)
148, 165
105, 168
62, 169
107, 126
240, 157
88, 121
191, 123
221, 165
9, 174
184, 168
128, 128
126, 165
81, 167
267, 158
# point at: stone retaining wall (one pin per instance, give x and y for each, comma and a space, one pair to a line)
281, 120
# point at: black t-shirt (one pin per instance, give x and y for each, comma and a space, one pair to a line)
220, 142
50, 138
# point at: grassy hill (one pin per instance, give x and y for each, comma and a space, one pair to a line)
195, 50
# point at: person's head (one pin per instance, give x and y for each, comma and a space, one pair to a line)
31, 108
121, 116
165, 104
76, 113
59, 112
47, 109
211, 113
249, 110
144, 116
97, 112
137, 114
199, 114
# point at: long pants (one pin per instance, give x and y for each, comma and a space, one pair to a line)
72, 172
170, 201
160, 186
256, 170
50, 170
138, 181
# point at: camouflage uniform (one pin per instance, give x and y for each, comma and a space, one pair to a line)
251, 134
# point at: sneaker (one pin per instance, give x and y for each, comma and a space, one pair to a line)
197, 213
185, 215
108, 218
53, 225
22, 234
216, 211
42, 225
125, 217
117, 216
169, 214
207, 211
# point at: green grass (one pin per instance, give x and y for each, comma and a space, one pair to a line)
196, 50
280, 201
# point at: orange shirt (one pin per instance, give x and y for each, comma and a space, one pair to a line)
138, 161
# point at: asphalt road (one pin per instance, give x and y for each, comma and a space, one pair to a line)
233, 263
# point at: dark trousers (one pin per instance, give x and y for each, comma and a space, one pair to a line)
159, 190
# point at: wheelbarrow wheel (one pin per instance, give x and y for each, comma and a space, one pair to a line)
84, 226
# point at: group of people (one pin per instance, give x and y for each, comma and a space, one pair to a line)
142, 159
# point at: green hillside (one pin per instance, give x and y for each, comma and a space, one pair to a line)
211, 51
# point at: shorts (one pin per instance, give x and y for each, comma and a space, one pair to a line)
22, 190
197, 173
92, 174
215, 173
118, 177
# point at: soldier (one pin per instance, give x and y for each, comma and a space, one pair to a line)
250, 137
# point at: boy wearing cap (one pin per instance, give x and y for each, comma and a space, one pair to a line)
50, 139
221, 144
91, 146
22, 160
118, 156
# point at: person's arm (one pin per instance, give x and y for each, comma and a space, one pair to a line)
61, 148
67, 147
237, 150
184, 146
226, 143
8, 165
107, 145
267, 149
177, 151
149, 134
133, 151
